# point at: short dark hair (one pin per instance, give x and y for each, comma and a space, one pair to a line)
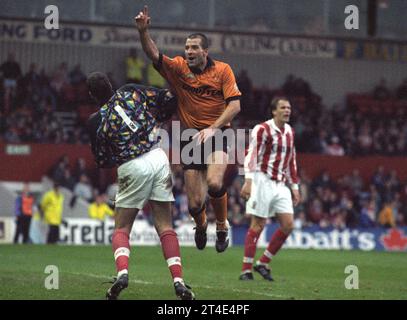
204, 39
275, 102
99, 86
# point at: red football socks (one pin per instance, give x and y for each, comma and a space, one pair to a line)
249, 249
121, 250
170, 247
276, 242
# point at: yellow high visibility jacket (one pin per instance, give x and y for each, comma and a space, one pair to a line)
100, 211
52, 204
154, 78
134, 68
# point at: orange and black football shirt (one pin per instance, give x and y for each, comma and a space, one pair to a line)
202, 96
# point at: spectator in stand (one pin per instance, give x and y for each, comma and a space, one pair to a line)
99, 209
375, 196
334, 148
379, 179
300, 220
83, 189
134, 67
324, 181
356, 181
401, 200
12, 136
31, 86
365, 140
48, 95
387, 215
60, 78
339, 219
11, 72
304, 187
58, 170
379, 139
315, 212
392, 185
401, 146
401, 220
289, 85
381, 92
302, 88
80, 168
154, 79
68, 180
320, 142
76, 76
236, 216
246, 88
401, 92
350, 214
368, 214
397, 206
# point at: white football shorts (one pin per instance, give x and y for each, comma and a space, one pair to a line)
147, 177
268, 197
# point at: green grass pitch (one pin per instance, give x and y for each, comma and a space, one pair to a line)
299, 274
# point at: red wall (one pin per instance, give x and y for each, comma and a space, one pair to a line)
337, 166
41, 159
43, 156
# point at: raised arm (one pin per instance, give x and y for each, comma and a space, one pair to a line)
149, 47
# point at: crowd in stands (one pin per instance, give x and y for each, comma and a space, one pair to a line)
29, 103
347, 201
370, 124
351, 202
28, 114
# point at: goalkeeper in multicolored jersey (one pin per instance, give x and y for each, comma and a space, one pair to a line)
123, 135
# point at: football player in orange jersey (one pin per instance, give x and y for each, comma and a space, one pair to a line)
208, 100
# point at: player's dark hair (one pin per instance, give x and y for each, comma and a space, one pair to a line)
204, 39
99, 86
275, 102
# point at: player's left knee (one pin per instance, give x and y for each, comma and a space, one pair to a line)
216, 190
215, 185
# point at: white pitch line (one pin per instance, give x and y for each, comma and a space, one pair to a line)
272, 295
92, 275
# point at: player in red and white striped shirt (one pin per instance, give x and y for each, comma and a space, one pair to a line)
269, 164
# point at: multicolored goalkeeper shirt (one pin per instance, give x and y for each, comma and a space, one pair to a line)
124, 127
